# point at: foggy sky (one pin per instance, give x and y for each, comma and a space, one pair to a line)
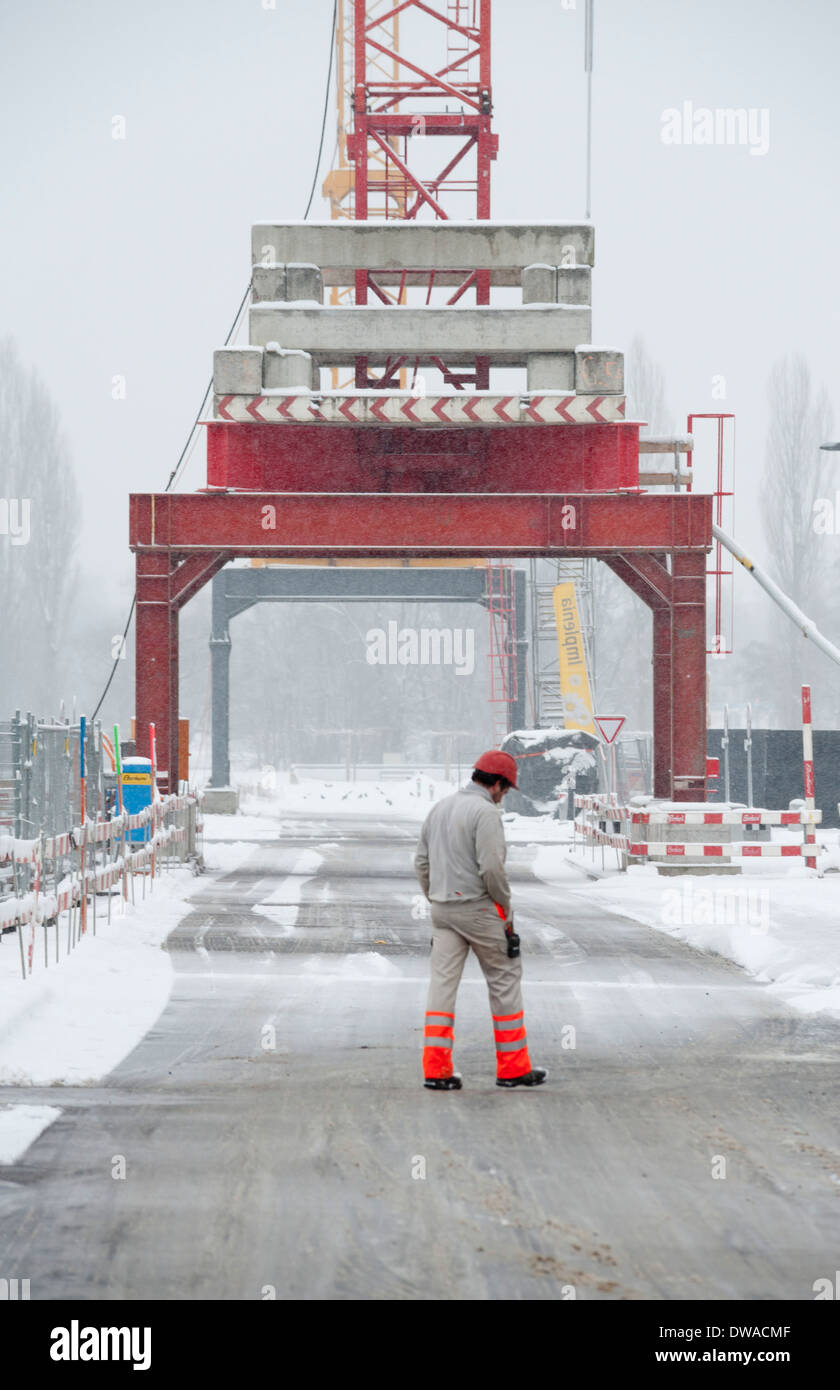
130, 257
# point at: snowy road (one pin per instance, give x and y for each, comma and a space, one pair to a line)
685, 1147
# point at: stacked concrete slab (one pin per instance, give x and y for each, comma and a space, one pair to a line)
293, 333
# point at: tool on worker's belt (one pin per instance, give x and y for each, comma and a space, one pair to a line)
512, 938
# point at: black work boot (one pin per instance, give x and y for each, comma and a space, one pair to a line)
528, 1078
443, 1083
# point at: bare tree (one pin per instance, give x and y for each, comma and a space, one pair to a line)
796, 492
645, 387
37, 564
795, 476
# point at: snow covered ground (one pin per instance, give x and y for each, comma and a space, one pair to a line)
776, 918
72, 1023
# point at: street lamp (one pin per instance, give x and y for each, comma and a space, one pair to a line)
831, 448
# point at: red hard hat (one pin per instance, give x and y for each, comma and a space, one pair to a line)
498, 764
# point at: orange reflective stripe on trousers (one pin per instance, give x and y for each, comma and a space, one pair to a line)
511, 1046
438, 1043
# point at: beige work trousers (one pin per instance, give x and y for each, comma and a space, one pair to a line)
455, 928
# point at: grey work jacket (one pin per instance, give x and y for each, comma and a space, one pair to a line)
461, 851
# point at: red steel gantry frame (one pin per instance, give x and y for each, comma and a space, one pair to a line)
657, 545
320, 489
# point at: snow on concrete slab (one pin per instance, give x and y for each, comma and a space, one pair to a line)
781, 925
358, 967
283, 905
290, 888
536, 830
226, 856
20, 1126
285, 915
256, 827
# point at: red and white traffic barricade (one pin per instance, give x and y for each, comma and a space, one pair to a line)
653, 849
651, 832
610, 808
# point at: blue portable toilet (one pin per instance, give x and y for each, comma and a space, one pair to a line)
137, 793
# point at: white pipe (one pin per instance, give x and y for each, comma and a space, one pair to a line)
806, 626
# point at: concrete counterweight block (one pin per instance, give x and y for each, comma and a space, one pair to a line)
238, 371
287, 368
539, 284
304, 282
574, 284
551, 371
599, 370
268, 283
221, 801
506, 335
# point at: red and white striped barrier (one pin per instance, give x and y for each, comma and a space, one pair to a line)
609, 810
383, 409
808, 768
652, 849
595, 812
603, 837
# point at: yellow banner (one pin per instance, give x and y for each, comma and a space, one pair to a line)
574, 677
139, 779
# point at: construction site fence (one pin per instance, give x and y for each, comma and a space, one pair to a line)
606, 822
39, 775
57, 880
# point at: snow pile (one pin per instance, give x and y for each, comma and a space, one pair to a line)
20, 1126
780, 924
404, 796
536, 830
284, 904
361, 966
73, 1021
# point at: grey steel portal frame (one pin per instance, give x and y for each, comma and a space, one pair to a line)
235, 590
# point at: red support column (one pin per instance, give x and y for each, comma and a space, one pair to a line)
156, 651
174, 701
688, 637
650, 580
663, 714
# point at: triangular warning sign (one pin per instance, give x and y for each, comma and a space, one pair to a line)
608, 725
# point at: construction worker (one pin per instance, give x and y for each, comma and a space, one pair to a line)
460, 862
